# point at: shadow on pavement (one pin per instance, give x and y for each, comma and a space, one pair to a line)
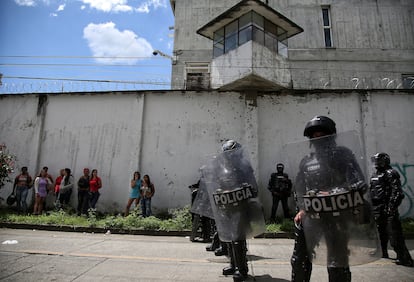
266, 278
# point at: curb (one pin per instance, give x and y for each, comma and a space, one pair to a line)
66, 228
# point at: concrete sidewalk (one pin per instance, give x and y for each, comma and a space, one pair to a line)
68, 256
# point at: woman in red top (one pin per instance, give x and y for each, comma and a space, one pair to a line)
95, 184
58, 181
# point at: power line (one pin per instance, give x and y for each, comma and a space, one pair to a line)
77, 65
89, 80
77, 57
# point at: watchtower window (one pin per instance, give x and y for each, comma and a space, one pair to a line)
231, 40
218, 43
250, 26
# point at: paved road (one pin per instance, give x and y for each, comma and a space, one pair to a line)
67, 256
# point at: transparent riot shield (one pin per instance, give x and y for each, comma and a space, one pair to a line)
332, 190
232, 190
201, 204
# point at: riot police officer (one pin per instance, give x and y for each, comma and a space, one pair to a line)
198, 220
230, 183
237, 249
281, 188
386, 196
321, 177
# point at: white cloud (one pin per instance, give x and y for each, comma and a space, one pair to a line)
29, 3
61, 7
145, 7
105, 40
158, 3
109, 5
32, 3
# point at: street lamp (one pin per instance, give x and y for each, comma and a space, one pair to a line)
172, 58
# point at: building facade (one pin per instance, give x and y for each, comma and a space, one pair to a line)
338, 44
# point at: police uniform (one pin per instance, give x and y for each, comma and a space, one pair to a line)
327, 167
281, 187
387, 195
237, 211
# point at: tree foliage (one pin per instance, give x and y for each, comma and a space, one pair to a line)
7, 162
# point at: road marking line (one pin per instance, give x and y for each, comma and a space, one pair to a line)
107, 256
75, 254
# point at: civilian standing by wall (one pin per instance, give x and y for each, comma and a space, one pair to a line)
134, 192
42, 184
22, 184
49, 200
83, 192
66, 187
147, 191
58, 181
95, 183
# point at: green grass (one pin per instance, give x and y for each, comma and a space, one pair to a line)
285, 225
58, 218
176, 220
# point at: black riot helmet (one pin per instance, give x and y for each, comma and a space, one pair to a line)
320, 123
381, 160
230, 145
280, 167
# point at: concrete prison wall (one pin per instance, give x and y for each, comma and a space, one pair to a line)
169, 134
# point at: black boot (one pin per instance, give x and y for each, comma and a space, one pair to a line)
404, 259
384, 248
403, 255
222, 250
194, 227
206, 229
339, 274
229, 270
240, 260
404, 263
215, 244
